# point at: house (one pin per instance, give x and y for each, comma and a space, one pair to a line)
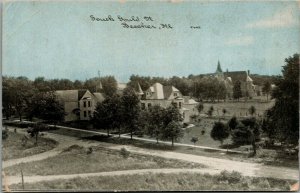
78, 104
164, 96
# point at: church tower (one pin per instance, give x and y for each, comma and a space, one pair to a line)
219, 73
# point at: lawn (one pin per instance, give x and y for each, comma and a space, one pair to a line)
237, 108
205, 124
76, 159
164, 182
12, 147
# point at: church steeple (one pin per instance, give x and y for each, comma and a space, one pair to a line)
219, 69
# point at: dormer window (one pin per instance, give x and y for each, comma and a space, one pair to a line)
175, 94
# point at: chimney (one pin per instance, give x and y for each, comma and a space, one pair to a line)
248, 72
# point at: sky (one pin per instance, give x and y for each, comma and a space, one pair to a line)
61, 40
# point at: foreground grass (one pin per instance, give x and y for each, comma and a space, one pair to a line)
77, 159
164, 182
12, 146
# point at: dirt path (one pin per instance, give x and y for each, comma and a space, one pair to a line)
63, 142
33, 179
215, 165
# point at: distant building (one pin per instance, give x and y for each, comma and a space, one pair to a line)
78, 104
229, 78
164, 96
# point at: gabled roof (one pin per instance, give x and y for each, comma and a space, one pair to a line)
236, 75
162, 92
167, 90
75, 95
70, 95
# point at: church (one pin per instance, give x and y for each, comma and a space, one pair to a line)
230, 78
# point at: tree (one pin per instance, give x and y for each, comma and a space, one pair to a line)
252, 110
224, 112
131, 109
210, 111
173, 131
232, 123
219, 132
155, 121
36, 129
247, 131
267, 89
50, 109
200, 107
107, 113
237, 91
284, 115
194, 140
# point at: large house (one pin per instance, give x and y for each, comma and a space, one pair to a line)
78, 104
164, 96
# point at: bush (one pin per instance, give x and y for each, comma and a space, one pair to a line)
124, 153
185, 125
4, 134
232, 177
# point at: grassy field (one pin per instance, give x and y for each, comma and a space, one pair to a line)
206, 124
238, 108
12, 147
165, 182
76, 159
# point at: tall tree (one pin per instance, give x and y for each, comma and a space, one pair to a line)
173, 131
107, 113
267, 89
237, 91
51, 109
131, 109
284, 115
155, 121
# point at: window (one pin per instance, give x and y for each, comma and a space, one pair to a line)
84, 103
149, 105
84, 113
183, 115
143, 106
89, 103
179, 104
175, 94
89, 113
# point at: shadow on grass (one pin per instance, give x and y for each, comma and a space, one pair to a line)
122, 141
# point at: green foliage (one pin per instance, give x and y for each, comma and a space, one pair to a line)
131, 109
283, 117
36, 129
200, 107
108, 113
267, 88
252, 110
194, 140
232, 123
172, 131
237, 91
124, 153
4, 134
210, 111
219, 132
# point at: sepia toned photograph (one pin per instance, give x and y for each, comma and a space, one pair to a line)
131, 95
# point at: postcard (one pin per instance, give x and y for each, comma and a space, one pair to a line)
150, 95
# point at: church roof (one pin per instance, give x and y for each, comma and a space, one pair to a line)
236, 75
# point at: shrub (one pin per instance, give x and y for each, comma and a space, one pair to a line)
185, 125
232, 177
124, 153
4, 134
